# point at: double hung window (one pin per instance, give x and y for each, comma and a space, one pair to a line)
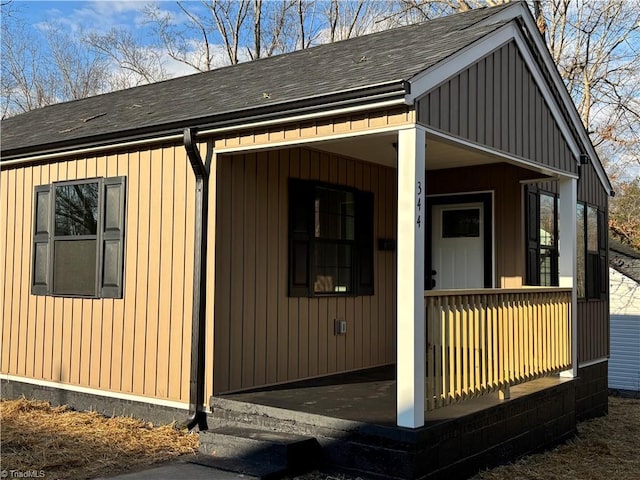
79, 238
542, 237
330, 240
592, 252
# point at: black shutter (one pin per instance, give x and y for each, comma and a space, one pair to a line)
533, 236
300, 225
364, 240
112, 237
603, 231
41, 274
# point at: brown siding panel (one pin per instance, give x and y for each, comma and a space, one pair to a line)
511, 112
129, 345
292, 337
593, 315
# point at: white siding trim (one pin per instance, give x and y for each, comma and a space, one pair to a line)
94, 391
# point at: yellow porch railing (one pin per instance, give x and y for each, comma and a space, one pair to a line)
486, 340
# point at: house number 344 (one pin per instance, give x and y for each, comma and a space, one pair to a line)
419, 205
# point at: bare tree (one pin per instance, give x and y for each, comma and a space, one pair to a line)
33, 78
75, 72
624, 216
136, 64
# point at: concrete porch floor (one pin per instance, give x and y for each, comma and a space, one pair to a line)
369, 396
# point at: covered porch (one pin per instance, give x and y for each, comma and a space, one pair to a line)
479, 337
352, 417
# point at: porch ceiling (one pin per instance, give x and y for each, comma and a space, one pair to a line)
381, 149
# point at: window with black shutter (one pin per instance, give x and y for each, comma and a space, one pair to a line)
542, 237
79, 238
330, 240
592, 252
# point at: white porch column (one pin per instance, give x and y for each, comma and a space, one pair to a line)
567, 252
410, 296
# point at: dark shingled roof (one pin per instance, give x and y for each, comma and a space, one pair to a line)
313, 76
624, 259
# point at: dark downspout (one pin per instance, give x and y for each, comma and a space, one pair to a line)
197, 416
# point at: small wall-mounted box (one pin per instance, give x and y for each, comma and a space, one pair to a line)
339, 327
386, 244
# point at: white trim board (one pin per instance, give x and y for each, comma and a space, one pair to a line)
97, 392
443, 71
521, 11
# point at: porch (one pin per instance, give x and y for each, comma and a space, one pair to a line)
352, 416
483, 346
278, 320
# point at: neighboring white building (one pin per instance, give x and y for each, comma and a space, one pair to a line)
624, 278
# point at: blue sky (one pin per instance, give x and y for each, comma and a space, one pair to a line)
97, 16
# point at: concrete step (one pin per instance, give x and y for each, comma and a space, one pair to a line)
259, 453
357, 448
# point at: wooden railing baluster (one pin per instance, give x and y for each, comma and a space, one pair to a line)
482, 341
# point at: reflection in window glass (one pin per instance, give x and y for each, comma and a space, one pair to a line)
332, 264
592, 229
547, 220
76, 209
334, 228
546, 272
334, 214
580, 250
461, 223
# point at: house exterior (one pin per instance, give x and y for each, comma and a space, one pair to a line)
377, 201
624, 286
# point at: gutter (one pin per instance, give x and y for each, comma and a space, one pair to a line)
197, 416
277, 112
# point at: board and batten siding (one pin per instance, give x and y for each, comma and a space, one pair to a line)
139, 344
504, 181
593, 315
262, 336
496, 102
315, 129
624, 362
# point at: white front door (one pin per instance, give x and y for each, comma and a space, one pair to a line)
457, 254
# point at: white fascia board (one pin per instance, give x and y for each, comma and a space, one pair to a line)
522, 11
425, 81
460, 61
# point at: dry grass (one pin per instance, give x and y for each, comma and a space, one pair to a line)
605, 448
68, 444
